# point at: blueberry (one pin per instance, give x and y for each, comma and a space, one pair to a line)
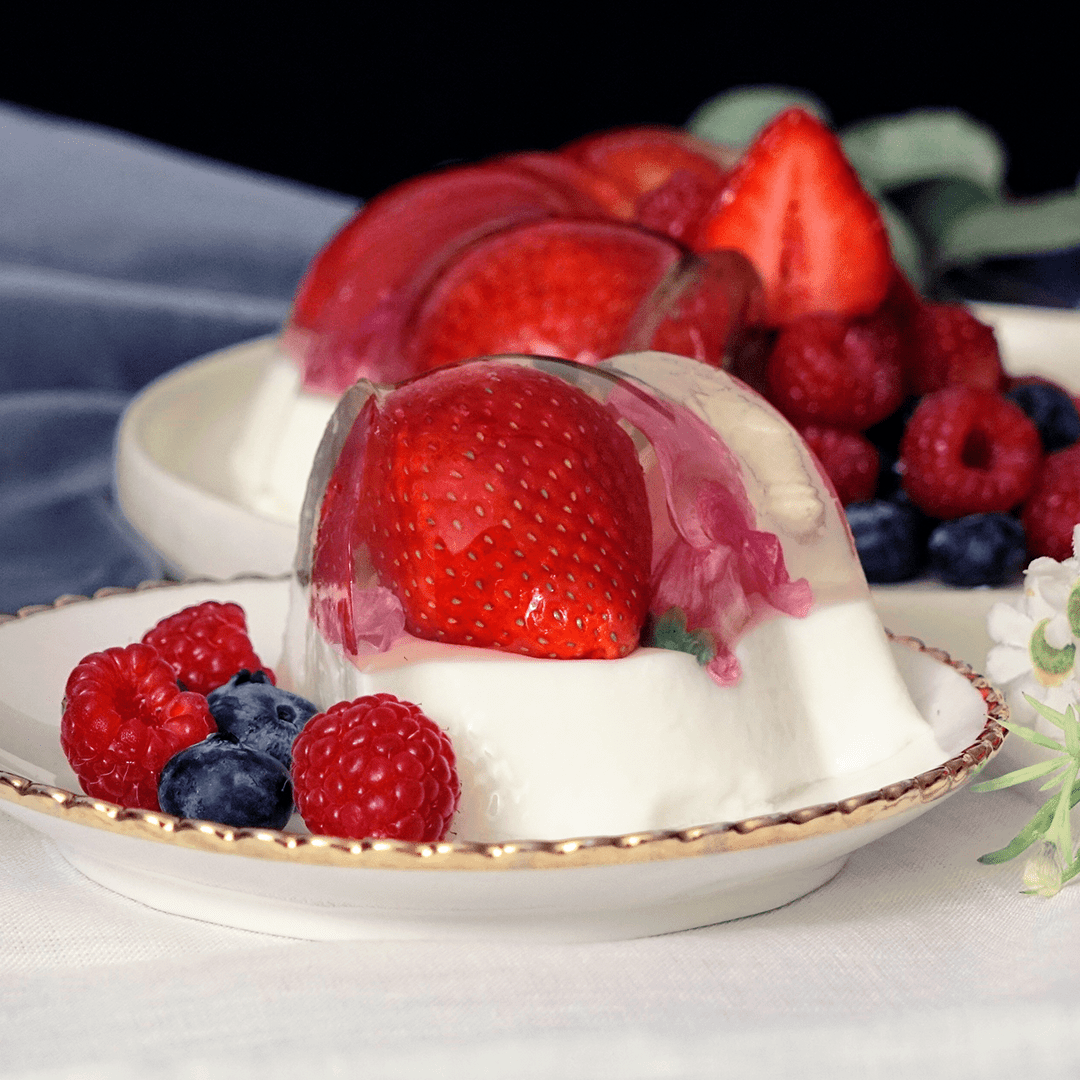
889, 537
259, 715
981, 549
218, 779
1051, 410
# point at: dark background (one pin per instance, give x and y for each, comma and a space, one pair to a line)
354, 102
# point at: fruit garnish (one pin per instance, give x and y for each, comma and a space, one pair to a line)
849, 459
375, 766
1053, 505
500, 507
123, 718
1050, 408
968, 451
260, 715
206, 645
552, 288
842, 373
948, 346
348, 313
979, 549
796, 208
889, 537
670, 178
220, 779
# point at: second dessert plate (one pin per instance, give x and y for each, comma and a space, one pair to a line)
572, 889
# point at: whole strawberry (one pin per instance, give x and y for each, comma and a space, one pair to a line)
123, 718
206, 645
505, 508
375, 766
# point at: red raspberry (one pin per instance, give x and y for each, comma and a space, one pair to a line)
1053, 507
850, 461
950, 347
124, 717
206, 645
375, 766
827, 370
968, 451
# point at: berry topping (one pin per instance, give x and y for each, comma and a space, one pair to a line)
218, 779
982, 549
1053, 508
1051, 409
889, 537
259, 715
795, 207
827, 370
123, 718
501, 506
670, 177
968, 451
552, 288
206, 645
950, 347
849, 459
376, 766
350, 306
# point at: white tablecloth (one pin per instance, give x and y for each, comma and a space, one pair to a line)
915, 961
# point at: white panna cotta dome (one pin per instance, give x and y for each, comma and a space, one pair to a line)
806, 707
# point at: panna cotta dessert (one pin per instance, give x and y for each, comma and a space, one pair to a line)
626, 592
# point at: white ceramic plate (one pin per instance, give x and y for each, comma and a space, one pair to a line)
179, 483
294, 884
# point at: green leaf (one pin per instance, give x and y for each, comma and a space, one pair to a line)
734, 117
1031, 832
1001, 229
669, 631
926, 144
1021, 776
1036, 737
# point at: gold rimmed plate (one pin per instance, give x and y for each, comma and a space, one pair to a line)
290, 883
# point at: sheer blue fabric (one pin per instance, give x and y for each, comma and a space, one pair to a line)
119, 259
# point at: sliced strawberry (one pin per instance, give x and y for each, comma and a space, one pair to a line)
795, 207
502, 507
566, 173
568, 289
351, 304
670, 177
642, 159
704, 311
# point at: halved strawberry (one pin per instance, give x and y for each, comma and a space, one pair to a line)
643, 158
501, 506
702, 311
566, 173
568, 289
670, 177
795, 207
349, 309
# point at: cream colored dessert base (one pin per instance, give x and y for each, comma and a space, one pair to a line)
277, 436
549, 749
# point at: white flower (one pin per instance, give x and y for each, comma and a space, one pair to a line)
1036, 643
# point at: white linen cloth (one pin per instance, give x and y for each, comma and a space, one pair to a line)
916, 960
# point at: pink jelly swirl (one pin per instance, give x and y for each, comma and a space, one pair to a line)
709, 561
